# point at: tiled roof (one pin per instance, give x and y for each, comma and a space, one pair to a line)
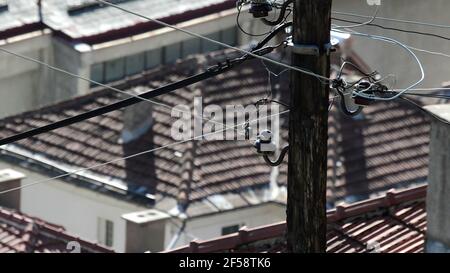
25, 234
389, 148
394, 223
18, 17
90, 22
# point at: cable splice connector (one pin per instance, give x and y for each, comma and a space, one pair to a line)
265, 146
340, 86
372, 89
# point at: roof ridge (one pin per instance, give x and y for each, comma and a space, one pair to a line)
23, 218
32, 226
29, 237
390, 198
245, 235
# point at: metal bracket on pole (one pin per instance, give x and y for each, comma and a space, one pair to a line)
311, 50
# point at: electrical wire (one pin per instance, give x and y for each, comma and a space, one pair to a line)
437, 96
281, 16
392, 28
429, 52
270, 73
428, 89
279, 159
132, 156
210, 72
141, 96
360, 24
392, 41
393, 20
437, 53
239, 6
301, 70
425, 110
54, 68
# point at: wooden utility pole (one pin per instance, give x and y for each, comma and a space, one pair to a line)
308, 129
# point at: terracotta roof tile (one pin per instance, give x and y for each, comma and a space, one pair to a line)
23, 233
394, 223
388, 148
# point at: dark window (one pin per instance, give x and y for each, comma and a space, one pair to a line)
105, 232
97, 73
229, 36
230, 229
190, 47
115, 70
135, 64
153, 58
172, 53
3, 5
207, 46
109, 233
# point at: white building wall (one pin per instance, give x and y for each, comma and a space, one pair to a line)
20, 80
76, 209
209, 227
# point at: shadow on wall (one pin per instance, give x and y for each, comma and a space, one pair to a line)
353, 153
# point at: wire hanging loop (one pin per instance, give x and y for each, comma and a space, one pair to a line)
280, 158
341, 86
281, 17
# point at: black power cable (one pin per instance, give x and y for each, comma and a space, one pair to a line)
281, 17
280, 158
209, 73
238, 23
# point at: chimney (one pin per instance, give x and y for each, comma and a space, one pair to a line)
39, 4
10, 179
145, 231
438, 195
137, 120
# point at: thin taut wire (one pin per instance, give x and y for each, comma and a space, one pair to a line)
190, 33
131, 156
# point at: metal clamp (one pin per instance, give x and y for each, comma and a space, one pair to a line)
311, 50
306, 50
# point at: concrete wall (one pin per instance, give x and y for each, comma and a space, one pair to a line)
21, 81
62, 86
438, 192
